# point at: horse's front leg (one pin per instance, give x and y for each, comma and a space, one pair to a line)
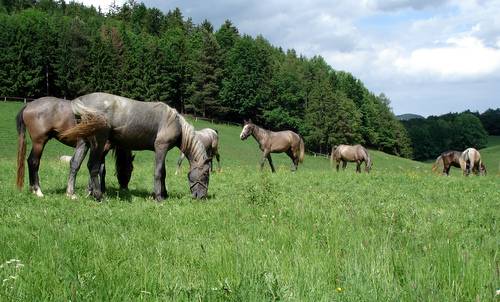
74, 166
344, 164
217, 156
338, 165
179, 163
160, 190
271, 162
358, 166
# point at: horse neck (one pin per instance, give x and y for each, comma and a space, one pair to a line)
259, 133
190, 144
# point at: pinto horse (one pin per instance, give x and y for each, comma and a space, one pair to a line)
356, 153
138, 125
45, 118
275, 142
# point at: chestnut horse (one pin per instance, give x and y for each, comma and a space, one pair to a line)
449, 159
356, 153
275, 142
45, 118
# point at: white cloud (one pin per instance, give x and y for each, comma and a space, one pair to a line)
465, 57
103, 4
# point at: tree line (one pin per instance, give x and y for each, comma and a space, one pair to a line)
453, 131
66, 49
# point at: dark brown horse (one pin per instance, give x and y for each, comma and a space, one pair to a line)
135, 125
275, 142
45, 118
210, 139
348, 153
448, 159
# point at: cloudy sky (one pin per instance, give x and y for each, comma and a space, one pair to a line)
428, 57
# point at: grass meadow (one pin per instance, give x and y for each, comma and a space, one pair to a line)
400, 233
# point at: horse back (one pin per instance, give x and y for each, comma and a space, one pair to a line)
47, 117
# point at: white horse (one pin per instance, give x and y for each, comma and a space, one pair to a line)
470, 161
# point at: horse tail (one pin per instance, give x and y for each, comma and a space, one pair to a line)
436, 163
301, 149
368, 160
21, 148
123, 166
90, 124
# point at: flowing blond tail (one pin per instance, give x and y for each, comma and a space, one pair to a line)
90, 124
302, 151
436, 163
21, 148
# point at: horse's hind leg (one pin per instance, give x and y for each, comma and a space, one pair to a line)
34, 165
74, 166
94, 166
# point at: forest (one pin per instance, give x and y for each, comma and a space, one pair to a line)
452, 131
67, 49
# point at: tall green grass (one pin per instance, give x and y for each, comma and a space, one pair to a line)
400, 233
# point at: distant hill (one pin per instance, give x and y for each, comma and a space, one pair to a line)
408, 116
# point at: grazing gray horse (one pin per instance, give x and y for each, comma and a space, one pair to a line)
275, 142
470, 161
210, 139
138, 125
356, 153
45, 118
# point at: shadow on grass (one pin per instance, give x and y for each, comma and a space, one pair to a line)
127, 195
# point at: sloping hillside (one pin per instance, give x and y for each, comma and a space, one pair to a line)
233, 151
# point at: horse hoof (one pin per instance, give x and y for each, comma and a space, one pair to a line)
72, 196
38, 192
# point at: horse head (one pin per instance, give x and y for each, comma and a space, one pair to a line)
198, 178
247, 129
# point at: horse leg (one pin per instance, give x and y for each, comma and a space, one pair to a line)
94, 166
338, 165
294, 159
263, 159
344, 164
34, 165
75, 163
217, 156
271, 162
358, 166
102, 169
179, 163
160, 190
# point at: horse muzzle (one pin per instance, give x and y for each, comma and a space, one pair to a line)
199, 190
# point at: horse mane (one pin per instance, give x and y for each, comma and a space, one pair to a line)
190, 145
